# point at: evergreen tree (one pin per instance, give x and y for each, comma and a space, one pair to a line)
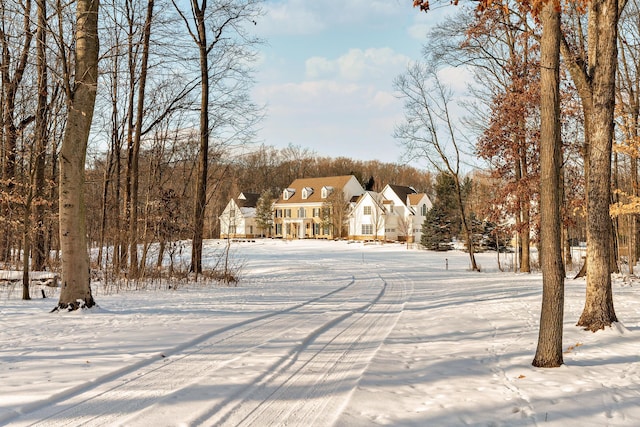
446, 198
264, 215
436, 229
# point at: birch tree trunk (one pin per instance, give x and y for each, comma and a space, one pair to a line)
75, 287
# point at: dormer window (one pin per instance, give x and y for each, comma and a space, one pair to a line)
307, 192
326, 191
288, 193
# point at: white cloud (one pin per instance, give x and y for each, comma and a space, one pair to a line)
333, 118
291, 18
419, 31
357, 65
318, 67
455, 78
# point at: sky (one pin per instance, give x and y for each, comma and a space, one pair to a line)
318, 333
326, 72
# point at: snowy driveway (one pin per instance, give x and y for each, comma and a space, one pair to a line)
299, 363
320, 334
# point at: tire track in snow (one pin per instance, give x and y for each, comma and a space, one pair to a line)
134, 388
314, 383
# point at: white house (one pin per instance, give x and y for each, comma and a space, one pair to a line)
367, 219
238, 220
394, 214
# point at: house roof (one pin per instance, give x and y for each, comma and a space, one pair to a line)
247, 200
414, 199
337, 183
376, 197
402, 192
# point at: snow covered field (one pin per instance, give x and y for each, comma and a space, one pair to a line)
320, 333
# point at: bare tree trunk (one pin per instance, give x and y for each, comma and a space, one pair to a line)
106, 182
40, 251
133, 222
75, 287
10, 88
633, 219
465, 225
598, 310
525, 236
26, 243
549, 350
203, 156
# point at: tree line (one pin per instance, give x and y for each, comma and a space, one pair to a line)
157, 109
164, 73
560, 81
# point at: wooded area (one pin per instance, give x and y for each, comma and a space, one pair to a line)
522, 43
172, 135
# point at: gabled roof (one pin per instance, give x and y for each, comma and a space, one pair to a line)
337, 183
376, 197
402, 192
247, 200
414, 199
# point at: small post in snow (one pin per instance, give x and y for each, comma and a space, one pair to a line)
446, 263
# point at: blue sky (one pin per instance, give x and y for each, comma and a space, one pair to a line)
326, 73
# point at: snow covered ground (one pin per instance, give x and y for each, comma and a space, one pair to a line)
320, 333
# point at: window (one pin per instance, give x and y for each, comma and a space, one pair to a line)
367, 229
287, 213
278, 213
423, 209
316, 212
316, 229
302, 213
251, 229
287, 193
391, 208
232, 212
278, 229
326, 191
367, 210
306, 192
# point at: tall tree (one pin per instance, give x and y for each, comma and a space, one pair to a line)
12, 71
628, 122
40, 250
549, 350
81, 96
135, 145
594, 74
217, 29
427, 104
